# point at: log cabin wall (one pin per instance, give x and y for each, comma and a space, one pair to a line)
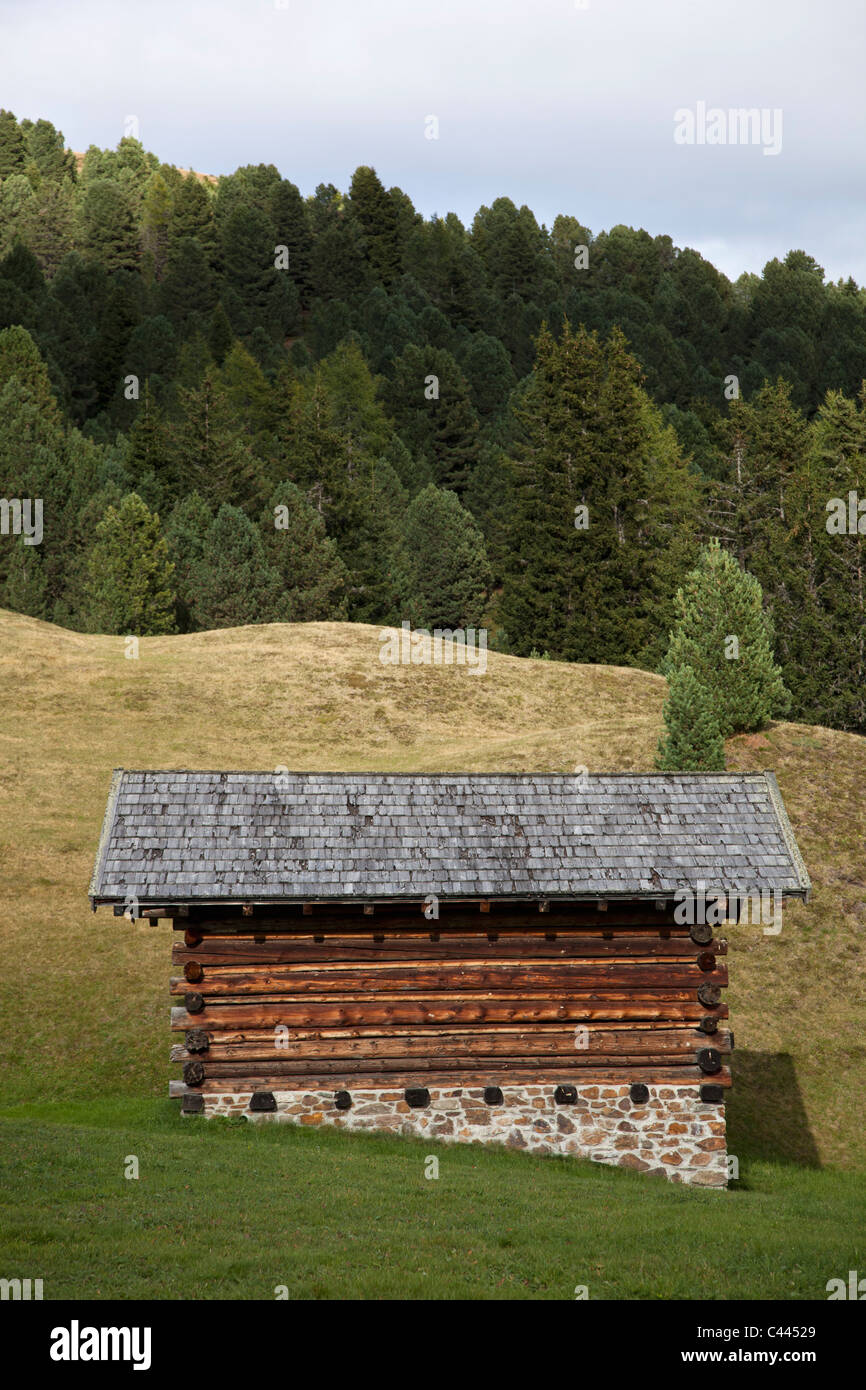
575, 1030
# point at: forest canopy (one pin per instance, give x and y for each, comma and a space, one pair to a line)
242, 405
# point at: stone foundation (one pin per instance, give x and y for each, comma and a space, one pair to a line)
674, 1134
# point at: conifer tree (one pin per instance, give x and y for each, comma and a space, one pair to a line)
47, 148
149, 452
313, 577
444, 574
219, 336
186, 536
130, 573
290, 218
428, 397
378, 219
13, 147
598, 490
209, 452
26, 589
692, 741
724, 635
233, 583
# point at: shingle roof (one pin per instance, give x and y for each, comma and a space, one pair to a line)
308, 836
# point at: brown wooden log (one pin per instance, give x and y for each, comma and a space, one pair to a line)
391, 1030
709, 995
465, 1044
418, 948
558, 980
192, 971
191, 938
540, 1076
258, 1013
701, 933
276, 1066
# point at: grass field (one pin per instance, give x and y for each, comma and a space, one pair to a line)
229, 1210
84, 999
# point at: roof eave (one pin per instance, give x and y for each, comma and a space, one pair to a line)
104, 837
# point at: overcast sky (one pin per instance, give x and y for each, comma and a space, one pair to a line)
567, 105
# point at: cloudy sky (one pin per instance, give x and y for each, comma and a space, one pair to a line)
567, 105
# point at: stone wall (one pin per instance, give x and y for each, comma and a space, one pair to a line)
673, 1134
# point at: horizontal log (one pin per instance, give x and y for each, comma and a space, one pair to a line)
347, 1066
276, 950
582, 1007
540, 1075
218, 1037
557, 979
461, 1043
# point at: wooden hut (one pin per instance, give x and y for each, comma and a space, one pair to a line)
525, 959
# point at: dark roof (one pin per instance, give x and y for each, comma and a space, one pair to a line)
174, 837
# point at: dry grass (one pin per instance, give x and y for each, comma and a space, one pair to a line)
84, 999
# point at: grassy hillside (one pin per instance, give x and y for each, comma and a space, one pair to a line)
84, 1003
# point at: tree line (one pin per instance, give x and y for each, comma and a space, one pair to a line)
242, 405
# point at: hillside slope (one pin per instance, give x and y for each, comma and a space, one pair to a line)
84, 1002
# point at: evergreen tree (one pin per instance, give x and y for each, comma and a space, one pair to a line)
255, 292
208, 452
187, 291
377, 217
290, 219
107, 226
156, 213
233, 583
444, 573
220, 336
313, 577
192, 219
428, 398
725, 637
149, 455
186, 536
26, 589
47, 149
692, 741
130, 573
13, 148
598, 490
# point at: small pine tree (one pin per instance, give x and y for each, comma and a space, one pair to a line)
130, 573
692, 742
726, 637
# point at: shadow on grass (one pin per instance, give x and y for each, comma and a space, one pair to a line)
766, 1116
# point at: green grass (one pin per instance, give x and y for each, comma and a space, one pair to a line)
232, 1210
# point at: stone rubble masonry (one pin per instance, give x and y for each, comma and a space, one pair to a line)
674, 1134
